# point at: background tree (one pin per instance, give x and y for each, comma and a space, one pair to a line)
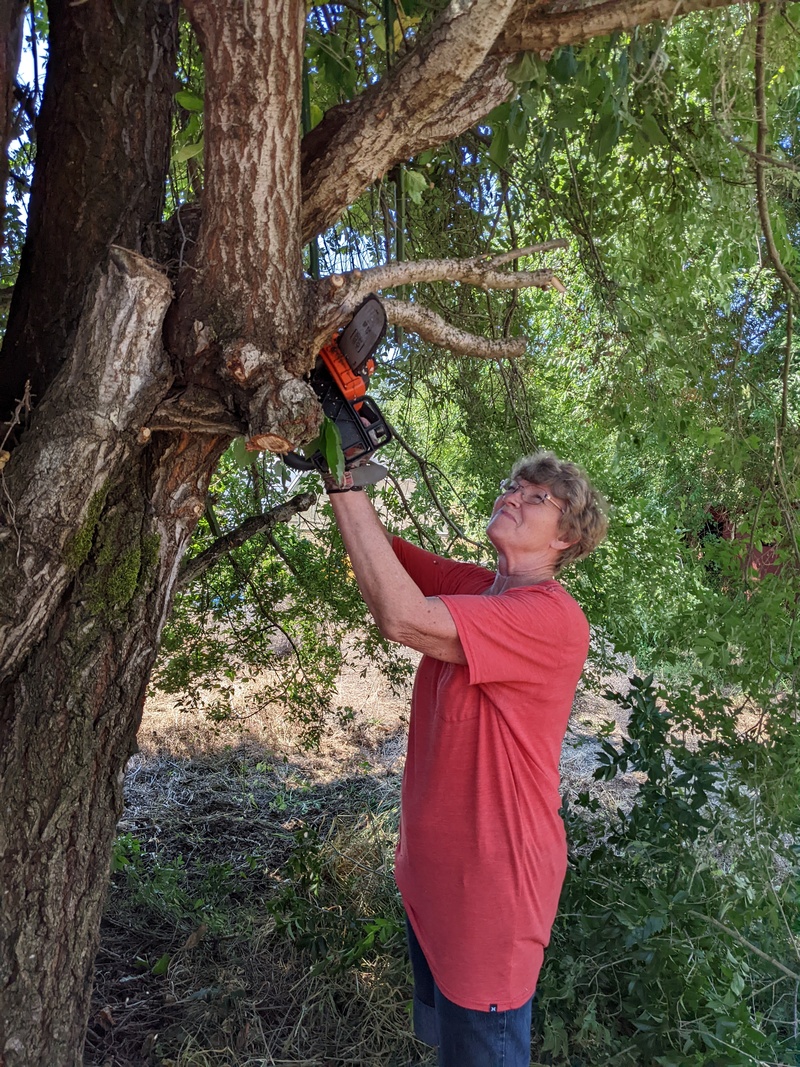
134, 352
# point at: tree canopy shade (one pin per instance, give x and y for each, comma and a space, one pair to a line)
146, 331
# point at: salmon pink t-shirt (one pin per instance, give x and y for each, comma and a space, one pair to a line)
482, 851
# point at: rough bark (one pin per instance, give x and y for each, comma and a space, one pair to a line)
102, 152
68, 720
87, 426
239, 324
537, 27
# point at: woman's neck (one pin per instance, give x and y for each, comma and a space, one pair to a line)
514, 581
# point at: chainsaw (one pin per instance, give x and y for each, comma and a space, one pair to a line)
340, 379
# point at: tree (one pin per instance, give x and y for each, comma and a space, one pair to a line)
123, 383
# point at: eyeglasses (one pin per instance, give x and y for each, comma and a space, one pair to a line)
509, 486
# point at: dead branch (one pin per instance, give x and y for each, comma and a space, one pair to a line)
337, 296
480, 272
256, 524
433, 328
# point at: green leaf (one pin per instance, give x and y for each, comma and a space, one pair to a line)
527, 68
189, 101
564, 66
379, 35
606, 134
162, 965
189, 151
498, 149
330, 441
416, 185
240, 454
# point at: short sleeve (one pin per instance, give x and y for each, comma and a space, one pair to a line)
436, 575
521, 635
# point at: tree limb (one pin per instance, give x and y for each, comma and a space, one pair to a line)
337, 296
432, 327
475, 272
431, 95
256, 524
746, 944
399, 117
535, 27
788, 282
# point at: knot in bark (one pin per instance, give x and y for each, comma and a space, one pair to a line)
283, 414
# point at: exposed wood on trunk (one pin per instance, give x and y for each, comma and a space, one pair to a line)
102, 150
53, 487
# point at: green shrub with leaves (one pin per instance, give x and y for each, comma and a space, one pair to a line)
677, 937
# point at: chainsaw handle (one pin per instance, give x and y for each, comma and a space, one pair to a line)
298, 462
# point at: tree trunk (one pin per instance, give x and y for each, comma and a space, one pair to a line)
99, 512
67, 726
12, 15
102, 151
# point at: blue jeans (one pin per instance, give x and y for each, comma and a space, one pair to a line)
466, 1037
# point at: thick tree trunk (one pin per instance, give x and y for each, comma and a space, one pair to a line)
67, 725
97, 514
102, 153
240, 320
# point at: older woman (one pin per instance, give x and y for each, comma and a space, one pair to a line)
482, 851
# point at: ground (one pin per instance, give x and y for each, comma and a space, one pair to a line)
195, 969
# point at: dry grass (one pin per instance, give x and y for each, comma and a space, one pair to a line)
214, 811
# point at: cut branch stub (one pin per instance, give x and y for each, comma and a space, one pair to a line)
281, 414
242, 360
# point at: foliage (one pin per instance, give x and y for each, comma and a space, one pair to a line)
677, 937
287, 601
319, 907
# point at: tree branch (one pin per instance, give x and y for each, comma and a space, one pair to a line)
535, 27
475, 272
256, 524
337, 296
788, 282
400, 116
440, 88
423, 465
433, 328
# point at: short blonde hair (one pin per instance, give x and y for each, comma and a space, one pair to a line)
585, 519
